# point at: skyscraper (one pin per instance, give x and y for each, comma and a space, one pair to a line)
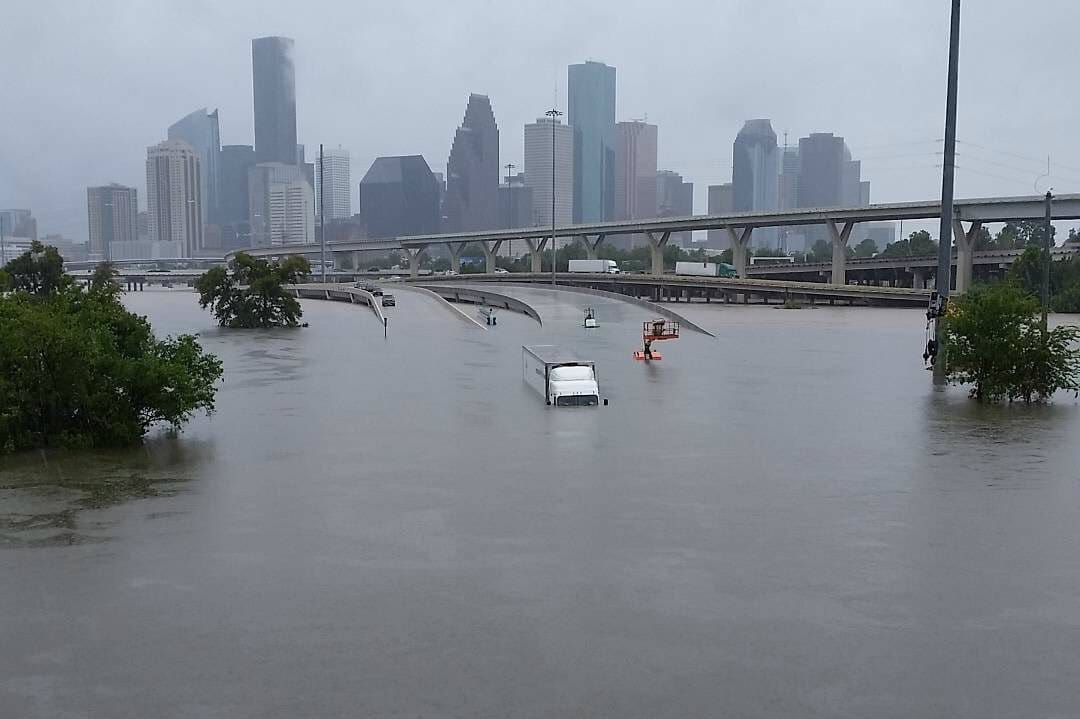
674, 198
200, 130
472, 171
828, 177
236, 160
399, 196
591, 95
111, 213
635, 170
336, 172
538, 163
281, 205
174, 195
721, 202
515, 203
274, 83
755, 174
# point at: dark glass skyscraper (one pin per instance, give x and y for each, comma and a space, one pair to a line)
399, 196
472, 172
274, 83
591, 95
755, 171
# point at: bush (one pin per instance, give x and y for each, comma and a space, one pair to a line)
77, 369
252, 293
994, 341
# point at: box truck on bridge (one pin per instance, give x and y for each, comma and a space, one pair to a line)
604, 267
705, 269
561, 379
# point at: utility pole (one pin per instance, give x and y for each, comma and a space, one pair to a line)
322, 215
944, 270
1048, 245
554, 115
509, 208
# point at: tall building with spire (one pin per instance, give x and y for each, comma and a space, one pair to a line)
548, 148
472, 171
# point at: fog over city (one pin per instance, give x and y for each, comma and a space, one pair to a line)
89, 86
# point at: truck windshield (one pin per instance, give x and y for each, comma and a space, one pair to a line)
580, 400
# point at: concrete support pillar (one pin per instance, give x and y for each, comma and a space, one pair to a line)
657, 245
414, 260
536, 251
456, 248
740, 240
965, 253
839, 250
356, 261
918, 275
491, 249
592, 245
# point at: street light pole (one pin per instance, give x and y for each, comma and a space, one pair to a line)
944, 269
554, 115
322, 215
1048, 245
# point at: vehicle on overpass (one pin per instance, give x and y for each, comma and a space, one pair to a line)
562, 379
780, 260
601, 267
705, 269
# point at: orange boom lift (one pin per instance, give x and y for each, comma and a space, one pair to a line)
652, 331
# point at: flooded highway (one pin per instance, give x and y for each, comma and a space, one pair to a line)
781, 521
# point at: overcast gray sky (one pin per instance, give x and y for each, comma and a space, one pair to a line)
88, 85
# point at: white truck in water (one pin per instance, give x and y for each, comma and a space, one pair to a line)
602, 267
561, 379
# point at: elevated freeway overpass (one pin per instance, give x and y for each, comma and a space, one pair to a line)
970, 215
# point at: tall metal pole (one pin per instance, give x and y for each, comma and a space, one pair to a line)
1048, 244
322, 215
554, 115
509, 209
944, 269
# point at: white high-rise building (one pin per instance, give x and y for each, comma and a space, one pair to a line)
538, 161
281, 205
336, 173
174, 195
291, 219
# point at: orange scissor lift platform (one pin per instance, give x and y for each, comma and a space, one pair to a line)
654, 331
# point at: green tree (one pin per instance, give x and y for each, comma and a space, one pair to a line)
994, 342
104, 278
39, 271
820, 251
918, 244
252, 293
769, 252
77, 369
983, 241
866, 248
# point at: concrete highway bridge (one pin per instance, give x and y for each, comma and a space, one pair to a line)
970, 215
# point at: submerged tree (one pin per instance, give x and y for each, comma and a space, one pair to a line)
78, 369
995, 342
252, 292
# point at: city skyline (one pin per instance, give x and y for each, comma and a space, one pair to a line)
52, 180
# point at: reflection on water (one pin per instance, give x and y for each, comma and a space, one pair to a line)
45, 496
